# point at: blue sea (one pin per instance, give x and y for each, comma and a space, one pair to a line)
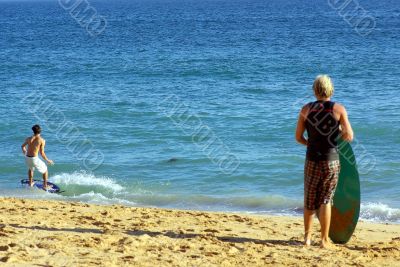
193, 104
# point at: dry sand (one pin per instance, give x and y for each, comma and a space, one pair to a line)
50, 233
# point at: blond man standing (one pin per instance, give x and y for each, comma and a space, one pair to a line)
325, 121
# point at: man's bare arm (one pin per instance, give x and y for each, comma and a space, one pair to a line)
347, 131
301, 126
23, 146
42, 145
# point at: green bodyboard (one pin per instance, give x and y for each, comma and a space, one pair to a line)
346, 201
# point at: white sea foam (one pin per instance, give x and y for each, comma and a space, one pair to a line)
98, 198
86, 179
379, 212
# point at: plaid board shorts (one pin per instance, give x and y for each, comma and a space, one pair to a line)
320, 181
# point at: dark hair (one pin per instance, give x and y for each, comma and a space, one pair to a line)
36, 129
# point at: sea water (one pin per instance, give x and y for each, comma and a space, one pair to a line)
193, 104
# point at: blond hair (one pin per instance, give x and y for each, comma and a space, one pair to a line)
323, 86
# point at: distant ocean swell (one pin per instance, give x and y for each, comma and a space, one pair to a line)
201, 134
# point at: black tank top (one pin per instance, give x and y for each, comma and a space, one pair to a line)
323, 131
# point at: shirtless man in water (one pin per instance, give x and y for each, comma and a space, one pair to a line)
35, 145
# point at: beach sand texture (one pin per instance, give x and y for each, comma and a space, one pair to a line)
51, 233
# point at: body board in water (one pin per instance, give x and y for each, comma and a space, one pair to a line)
52, 188
346, 201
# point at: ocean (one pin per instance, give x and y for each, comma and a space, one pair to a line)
193, 104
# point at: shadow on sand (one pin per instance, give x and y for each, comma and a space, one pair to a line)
170, 234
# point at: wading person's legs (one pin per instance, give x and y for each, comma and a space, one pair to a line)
42, 168
45, 176
30, 176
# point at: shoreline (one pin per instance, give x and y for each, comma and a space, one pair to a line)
296, 214
61, 233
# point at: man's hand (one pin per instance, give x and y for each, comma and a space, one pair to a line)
301, 126
50, 162
23, 147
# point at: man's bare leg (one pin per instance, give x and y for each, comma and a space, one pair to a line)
30, 176
45, 176
325, 220
308, 216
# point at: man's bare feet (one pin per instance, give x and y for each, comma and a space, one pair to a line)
326, 244
307, 242
307, 239
47, 187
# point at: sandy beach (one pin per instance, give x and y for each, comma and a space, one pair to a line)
51, 233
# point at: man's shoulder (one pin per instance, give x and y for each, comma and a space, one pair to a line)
306, 106
339, 107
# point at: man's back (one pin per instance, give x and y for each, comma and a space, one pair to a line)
34, 145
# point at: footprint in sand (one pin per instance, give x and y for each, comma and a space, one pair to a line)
204, 215
86, 218
98, 223
211, 253
4, 259
211, 231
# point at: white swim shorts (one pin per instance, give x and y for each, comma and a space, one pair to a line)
36, 163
